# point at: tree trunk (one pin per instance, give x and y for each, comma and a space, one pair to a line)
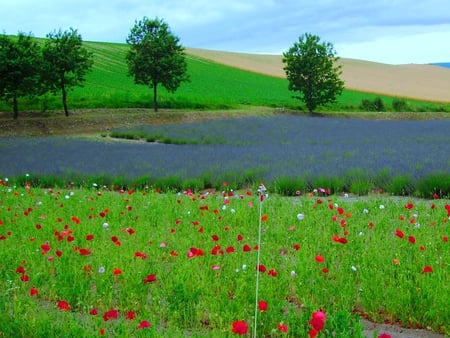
155, 97
64, 99
15, 108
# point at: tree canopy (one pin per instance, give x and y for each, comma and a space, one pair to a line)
155, 57
65, 63
19, 68
311, 71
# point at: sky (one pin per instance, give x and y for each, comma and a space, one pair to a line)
387, 31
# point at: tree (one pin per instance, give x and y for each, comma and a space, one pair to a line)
19, 68
311, 71
155, 57
65, 63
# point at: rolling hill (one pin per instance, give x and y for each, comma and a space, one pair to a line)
422, 82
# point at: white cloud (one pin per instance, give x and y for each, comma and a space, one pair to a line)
394, 31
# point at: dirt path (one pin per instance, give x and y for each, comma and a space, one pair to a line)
395, 331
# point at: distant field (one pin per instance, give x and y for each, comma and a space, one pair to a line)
217, 82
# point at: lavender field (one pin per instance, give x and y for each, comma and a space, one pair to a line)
270, 147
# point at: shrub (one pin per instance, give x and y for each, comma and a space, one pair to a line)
401, 186
434, 184
288, 186
399, 105
372, 105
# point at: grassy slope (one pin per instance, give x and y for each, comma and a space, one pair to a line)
212, 86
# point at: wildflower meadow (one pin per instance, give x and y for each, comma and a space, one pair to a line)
95, 261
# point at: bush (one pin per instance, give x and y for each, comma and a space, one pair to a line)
399, 105
401, 186
375, 105
289, 186
434, 184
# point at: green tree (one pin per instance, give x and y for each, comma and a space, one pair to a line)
65, 63
19, 68
155, 57
311, 71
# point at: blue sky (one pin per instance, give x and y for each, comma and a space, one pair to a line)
389, 31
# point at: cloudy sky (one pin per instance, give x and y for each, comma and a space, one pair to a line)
389, 31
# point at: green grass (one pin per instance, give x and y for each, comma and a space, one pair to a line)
94, 247
212, 86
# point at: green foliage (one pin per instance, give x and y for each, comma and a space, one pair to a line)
311, 71
438, 184
65, 63
19, 68
402, 186
376, 105
155, 57
399, 105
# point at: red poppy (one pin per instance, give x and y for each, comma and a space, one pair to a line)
33, 291
246, 248
63, 305
240, 238
399, 233
144, 324
319, 259
412, 239
84, 252
150, 278
140, 255
282, 327
296, 247
111, 314
384, 335
130, 315
75, 219
445, 239
273, 273
89, 237
261, 268
117, 271
93, 312
264, 218
427, 269
409, 206
24, 278
230, 249
262, 305
239, 327
318, 320
215, 238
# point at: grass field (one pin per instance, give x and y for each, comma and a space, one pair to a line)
139, 263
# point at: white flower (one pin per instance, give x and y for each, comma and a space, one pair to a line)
101, 269
224, 207
354, 268
244, 266
67, 197
346, 195
105, 225
365, 211
94, 184
361, 233
293, 273
300, 217
233, 211
381, 207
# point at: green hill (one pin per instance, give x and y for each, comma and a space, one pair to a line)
211, 86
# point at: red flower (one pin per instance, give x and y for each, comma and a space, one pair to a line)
399, 233
409, 206
111, 314
89, 237
246, 248
84, 252
230, 249
130, 315
45, 248
140, 255
63, 305
215, 238
262, 305
261, 268
318, 320
24, 278
33, 291
240, 238
117, 271
384, 335
273, 273
264, 218
445, 239
76, 220
240, 327
144, 324
150, 278
412, 239
282, 327
93, 312
427, 269
296, 247
319, 259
